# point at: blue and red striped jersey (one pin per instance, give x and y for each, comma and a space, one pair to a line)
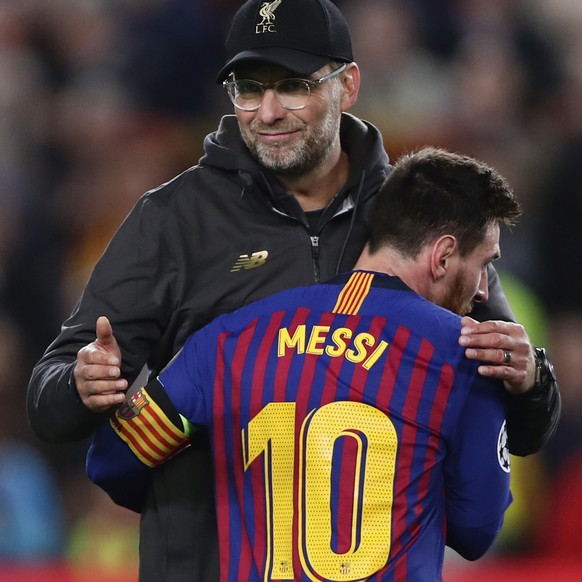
347, 428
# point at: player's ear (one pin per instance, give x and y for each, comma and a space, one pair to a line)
350, 80
444, 249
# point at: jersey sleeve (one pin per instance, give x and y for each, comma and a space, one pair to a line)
143, 433
477, 470
184, 379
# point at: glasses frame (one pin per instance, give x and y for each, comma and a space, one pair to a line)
311, 84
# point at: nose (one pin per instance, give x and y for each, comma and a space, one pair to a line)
270, 110
482, 293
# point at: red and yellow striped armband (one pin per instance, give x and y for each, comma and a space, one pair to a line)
147, 430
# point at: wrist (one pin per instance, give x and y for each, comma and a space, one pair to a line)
545, 376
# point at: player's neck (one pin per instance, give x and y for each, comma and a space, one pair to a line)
392, 263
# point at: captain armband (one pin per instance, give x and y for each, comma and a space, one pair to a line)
152, 434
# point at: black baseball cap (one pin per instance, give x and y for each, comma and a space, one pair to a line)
300, 35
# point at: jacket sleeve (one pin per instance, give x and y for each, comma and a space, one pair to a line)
533, 417
130, 286
143, 433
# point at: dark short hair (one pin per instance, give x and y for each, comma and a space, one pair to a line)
434, 192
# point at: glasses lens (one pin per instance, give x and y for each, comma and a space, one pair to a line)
248, 95
245, 93
293, 93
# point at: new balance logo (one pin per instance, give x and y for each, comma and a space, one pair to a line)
255, 260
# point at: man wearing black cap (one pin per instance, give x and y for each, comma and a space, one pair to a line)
279, 200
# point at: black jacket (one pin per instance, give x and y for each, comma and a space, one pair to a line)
218, 236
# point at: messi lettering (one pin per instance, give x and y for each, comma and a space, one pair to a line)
361, 348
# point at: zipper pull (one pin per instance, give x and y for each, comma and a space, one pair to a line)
315, 246
315, 255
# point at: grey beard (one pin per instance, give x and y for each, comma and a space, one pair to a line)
298, 162
306, 155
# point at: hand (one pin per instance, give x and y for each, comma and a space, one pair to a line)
490, 342
98, 372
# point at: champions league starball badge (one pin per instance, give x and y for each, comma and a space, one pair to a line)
503, 449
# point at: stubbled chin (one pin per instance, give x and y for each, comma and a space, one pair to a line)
280, 158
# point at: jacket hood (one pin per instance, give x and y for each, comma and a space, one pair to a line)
364, 145
225, 149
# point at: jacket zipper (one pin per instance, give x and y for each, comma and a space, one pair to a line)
315, 256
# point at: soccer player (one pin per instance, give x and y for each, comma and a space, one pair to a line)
351, 436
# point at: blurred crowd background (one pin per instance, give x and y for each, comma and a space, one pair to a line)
102, 100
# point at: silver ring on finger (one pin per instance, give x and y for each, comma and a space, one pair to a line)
506, 357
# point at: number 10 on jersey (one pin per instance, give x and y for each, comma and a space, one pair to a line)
371, 434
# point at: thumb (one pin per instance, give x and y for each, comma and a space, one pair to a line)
104, 331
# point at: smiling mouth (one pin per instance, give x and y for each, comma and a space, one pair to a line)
276, 135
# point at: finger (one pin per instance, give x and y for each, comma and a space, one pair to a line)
89, 389
468, 322
113, 389
515, 381
496, 371
511, 377
488, 340
94, 372
103, 402
491, 355
94, 354
104, 332
101, 387
494, 327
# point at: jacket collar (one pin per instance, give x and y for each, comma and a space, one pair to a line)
225, 149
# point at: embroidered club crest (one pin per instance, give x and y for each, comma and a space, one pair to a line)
133, 407
267, 13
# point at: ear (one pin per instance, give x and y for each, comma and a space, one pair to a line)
351, 86
443, 250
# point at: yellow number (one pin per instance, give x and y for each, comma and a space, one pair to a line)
271, 433
360, 422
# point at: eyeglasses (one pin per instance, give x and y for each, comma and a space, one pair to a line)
293, 94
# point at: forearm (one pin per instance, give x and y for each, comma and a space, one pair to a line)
55, 411
113, 467
132, 289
